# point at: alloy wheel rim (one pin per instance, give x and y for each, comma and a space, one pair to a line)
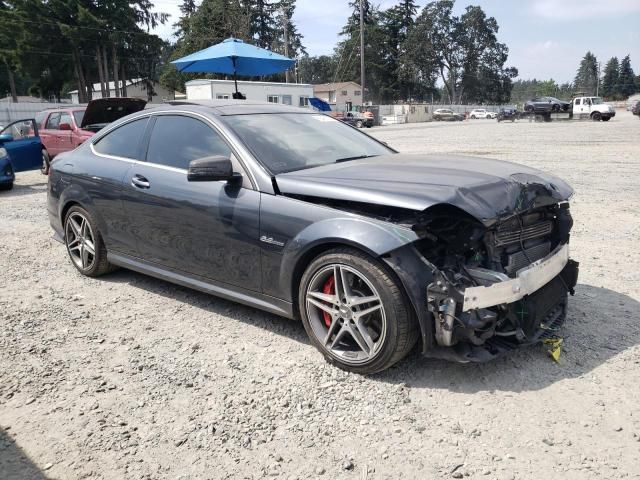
80, 241
349, 319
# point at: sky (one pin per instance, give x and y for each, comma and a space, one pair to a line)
546, 38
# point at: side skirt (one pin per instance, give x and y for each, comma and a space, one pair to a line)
226, 291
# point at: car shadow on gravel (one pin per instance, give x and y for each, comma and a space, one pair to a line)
14, 462
22, 190
216, 305
601, 324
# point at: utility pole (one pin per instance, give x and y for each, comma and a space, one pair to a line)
598, 81
362, 48
286, 40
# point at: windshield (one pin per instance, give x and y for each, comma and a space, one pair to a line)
596, 101
78, 115
285, 142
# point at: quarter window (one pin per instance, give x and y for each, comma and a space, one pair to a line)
124, 141
176, 140
222, 96
273, 99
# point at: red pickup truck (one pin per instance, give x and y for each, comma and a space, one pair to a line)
63, 129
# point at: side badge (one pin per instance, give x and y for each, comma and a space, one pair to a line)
271, 241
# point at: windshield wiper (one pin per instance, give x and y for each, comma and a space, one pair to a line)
357, 157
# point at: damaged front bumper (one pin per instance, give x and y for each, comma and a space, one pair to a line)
496, 314
497, 288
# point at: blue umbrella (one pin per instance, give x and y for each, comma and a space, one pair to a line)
234, 57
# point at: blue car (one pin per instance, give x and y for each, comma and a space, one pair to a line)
20, 150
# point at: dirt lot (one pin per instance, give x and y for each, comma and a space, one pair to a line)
131, 377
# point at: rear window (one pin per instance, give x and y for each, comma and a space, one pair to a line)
40, 116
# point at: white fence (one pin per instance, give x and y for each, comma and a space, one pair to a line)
10, 112
423, 112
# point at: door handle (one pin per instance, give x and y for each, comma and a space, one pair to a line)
139, 181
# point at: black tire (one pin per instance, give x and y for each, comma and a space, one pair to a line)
99, 264
596, 116
6, 186
46, 161
401, 331
606, 119
555, 108
359, 124
473, 117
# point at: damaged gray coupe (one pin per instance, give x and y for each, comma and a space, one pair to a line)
298, 214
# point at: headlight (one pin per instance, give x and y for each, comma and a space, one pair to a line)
3, 152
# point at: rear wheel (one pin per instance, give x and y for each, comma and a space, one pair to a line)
473, 117
84, 243
6, 186
355, 312
359, 124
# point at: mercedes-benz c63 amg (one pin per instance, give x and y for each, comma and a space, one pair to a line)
296, 213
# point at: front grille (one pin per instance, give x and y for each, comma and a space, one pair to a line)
521, 259
506, 235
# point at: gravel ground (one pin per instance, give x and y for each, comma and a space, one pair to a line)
131, 377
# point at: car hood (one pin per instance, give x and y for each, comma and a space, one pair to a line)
486, 189
103, 111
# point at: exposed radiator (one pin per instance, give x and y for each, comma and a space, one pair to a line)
507, 234
518, 260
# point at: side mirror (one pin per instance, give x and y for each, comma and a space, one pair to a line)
6, 137
210, 169
64, 126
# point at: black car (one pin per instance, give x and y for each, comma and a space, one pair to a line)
508, 114
298, 214
635, 109
546, 105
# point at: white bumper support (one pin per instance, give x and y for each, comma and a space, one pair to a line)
528, 280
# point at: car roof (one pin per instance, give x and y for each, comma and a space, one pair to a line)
229, 107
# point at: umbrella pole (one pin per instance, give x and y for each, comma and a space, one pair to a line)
235, 77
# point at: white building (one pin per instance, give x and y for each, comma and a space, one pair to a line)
136, 87
274, 92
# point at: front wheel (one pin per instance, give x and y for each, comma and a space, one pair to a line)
84, 243
596, 116
473, 117
6, 186
606, 119
359, 124
46, 161
355, 312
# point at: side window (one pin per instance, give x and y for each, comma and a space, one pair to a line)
577, 101
176, 140
65, 118
53, 121
124, 141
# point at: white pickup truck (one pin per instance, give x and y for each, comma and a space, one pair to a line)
593, 108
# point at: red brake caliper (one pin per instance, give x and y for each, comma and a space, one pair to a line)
329, 289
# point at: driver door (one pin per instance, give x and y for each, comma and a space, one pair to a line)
208, 229
25, 149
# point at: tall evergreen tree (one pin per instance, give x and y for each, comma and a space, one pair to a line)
586, 80
626, 78
609, 87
